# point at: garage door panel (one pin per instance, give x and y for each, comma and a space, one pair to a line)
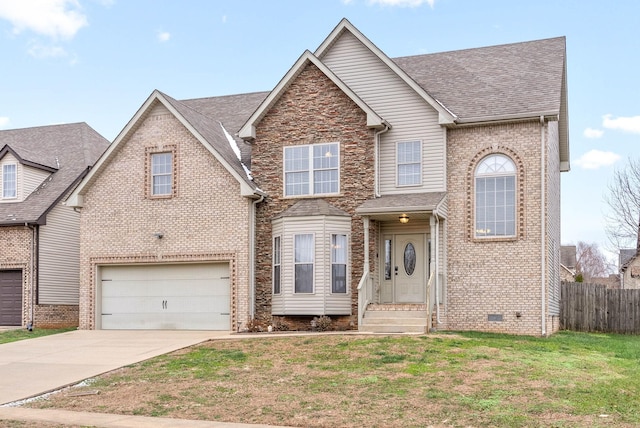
188, 296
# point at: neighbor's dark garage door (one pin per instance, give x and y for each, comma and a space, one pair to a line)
10, 297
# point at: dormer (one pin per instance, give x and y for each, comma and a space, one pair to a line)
19, 177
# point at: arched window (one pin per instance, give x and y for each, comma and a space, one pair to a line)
495, 183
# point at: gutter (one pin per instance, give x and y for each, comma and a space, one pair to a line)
543, 317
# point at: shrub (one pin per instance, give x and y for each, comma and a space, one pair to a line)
322, 323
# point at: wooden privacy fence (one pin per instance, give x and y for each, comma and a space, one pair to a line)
593, 307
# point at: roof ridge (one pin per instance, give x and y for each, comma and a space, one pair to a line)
524, 42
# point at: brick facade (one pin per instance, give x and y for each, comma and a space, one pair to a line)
494, 276
205, 220
312, 110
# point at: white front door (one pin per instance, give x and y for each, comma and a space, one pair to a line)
404, 276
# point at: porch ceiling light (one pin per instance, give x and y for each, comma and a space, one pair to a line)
404, 218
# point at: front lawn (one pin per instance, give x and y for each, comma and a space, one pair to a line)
463, 379
22, 333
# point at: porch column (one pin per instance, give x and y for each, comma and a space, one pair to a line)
365, 221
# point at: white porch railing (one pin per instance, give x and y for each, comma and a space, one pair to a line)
365, 295
429, 308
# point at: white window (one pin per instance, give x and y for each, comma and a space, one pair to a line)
311, 169
161, 174
338, 263
303, 261
409, 163
276, 265
495, 181
9, 181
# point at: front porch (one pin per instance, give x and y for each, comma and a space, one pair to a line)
402, 280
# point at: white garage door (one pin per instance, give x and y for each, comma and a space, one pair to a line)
166, 297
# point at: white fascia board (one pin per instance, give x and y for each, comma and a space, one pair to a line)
446, 116
248, 131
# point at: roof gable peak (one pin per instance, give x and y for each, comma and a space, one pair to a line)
248, 130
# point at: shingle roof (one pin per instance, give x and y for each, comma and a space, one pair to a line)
495, 81
312, 207
68, 149
233, 111
402, 203
211, 129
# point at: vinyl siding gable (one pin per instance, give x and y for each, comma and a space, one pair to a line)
408, 113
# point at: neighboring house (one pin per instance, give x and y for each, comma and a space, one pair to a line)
423, 188
39, 235
629, 268
568, 263
166, 220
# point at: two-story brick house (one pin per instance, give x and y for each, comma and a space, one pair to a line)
39, 235
423, 188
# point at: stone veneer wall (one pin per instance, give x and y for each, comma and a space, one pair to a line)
312, 110
206, 220
494, 276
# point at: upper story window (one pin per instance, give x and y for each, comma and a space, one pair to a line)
311, 169
409, 163
495, 184
161, 174
9, 181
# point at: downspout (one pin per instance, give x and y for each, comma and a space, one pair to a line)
437, 267
252, 257
376, 157
34, 237
542, 230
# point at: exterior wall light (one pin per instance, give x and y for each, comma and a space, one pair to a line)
404, 219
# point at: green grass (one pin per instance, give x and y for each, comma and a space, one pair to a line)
457, 379
22, 334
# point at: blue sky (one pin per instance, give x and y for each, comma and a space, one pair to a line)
96, 61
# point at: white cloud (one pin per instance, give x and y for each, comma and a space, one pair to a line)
40, 51
58, 19
595, 159
4, 121
593, 133
627, 124
403, 3
163, 36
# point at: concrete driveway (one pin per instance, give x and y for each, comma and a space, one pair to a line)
32, 367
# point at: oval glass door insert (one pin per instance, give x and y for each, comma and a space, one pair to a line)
409, 259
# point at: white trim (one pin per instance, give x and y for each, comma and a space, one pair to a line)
274, 264
513, 174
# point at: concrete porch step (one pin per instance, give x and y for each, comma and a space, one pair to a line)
394, 320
